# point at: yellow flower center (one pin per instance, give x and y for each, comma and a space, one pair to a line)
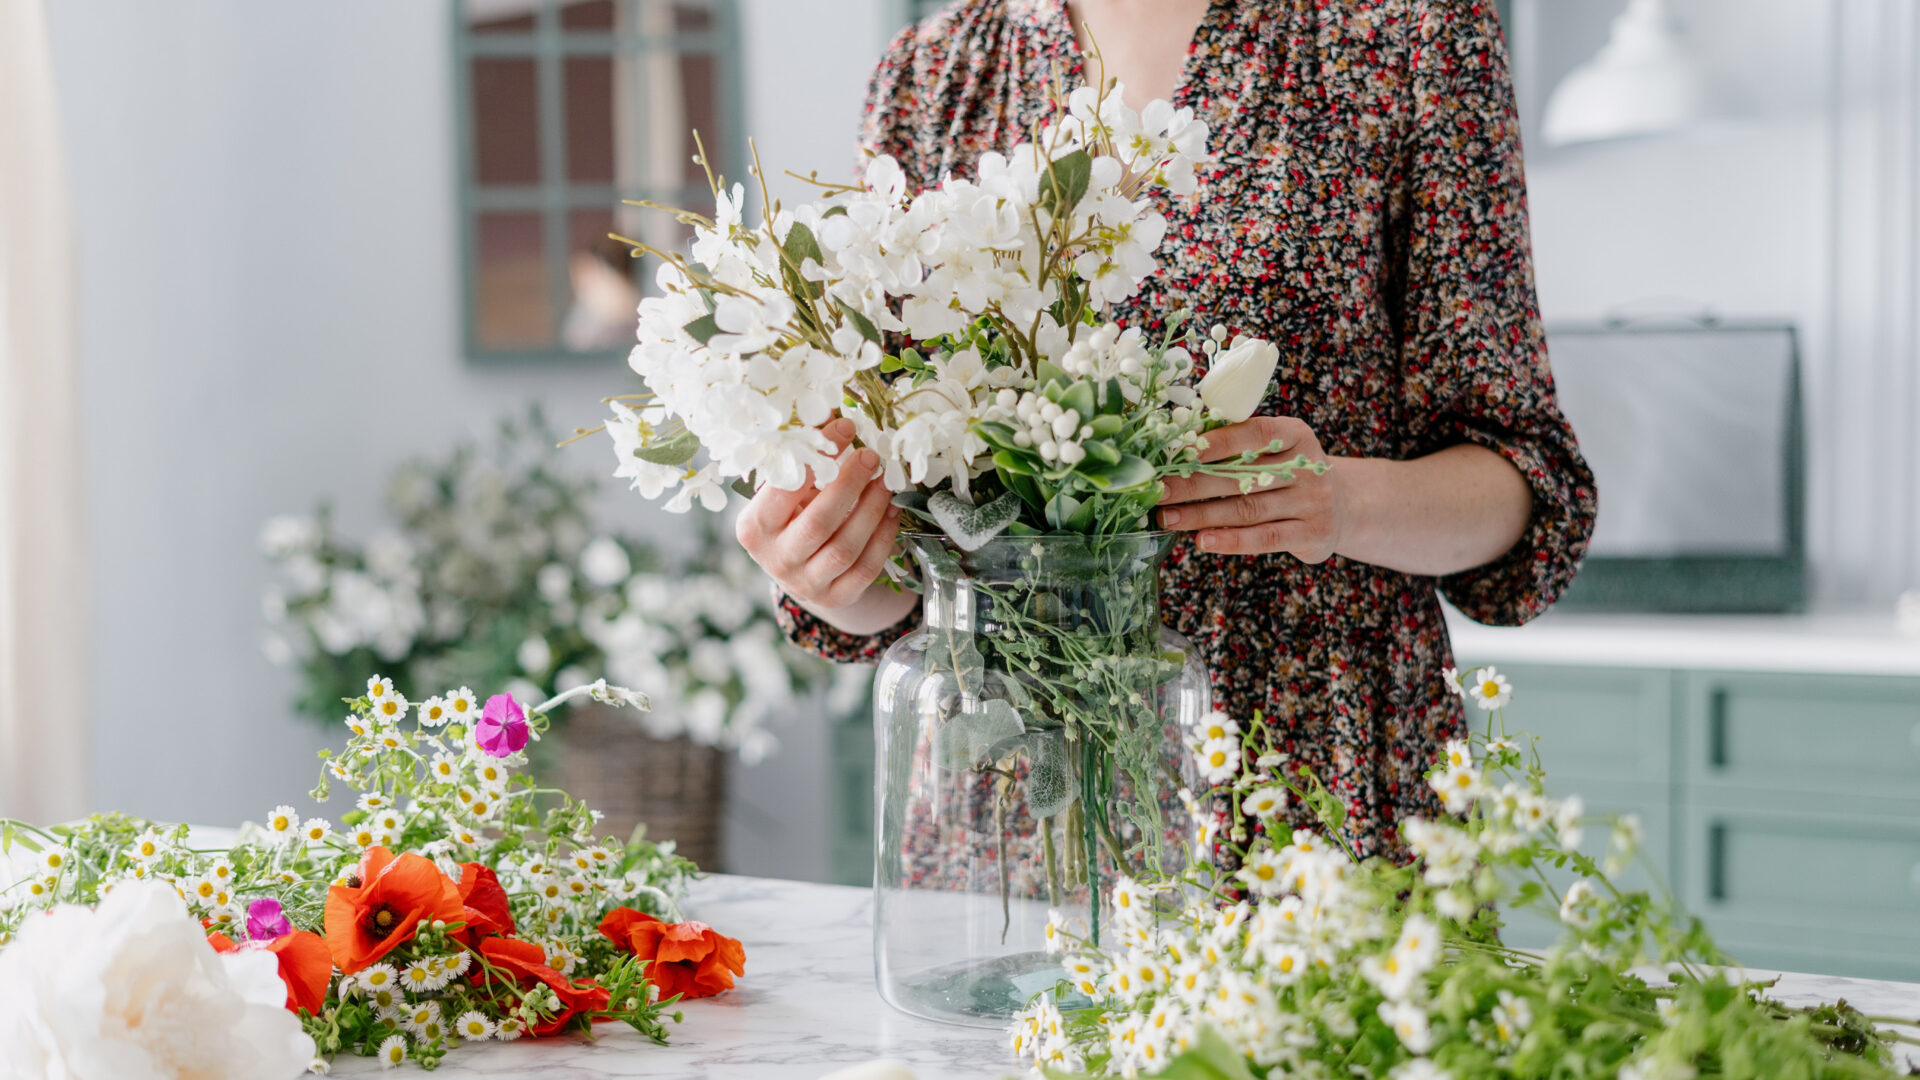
1286, 964
1490, 689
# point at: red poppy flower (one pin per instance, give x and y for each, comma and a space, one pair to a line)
486, 902
689, 959
383, 905
306, 965
527, 964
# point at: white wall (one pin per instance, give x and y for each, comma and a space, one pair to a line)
269, 315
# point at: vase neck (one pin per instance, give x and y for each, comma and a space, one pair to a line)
1109, 585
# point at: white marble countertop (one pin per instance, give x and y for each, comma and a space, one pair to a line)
1831, 643
807, 1005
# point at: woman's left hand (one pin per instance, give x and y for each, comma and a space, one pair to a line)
1305, 517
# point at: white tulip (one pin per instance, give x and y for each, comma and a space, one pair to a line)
1237, 378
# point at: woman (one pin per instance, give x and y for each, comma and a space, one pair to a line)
1367, 214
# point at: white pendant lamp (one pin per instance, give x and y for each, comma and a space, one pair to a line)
1644, 81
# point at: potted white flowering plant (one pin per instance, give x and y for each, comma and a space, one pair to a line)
967, 333
496, 574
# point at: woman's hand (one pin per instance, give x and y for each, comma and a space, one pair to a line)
825, 546
1305, 517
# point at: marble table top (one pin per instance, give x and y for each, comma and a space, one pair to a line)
807, 1006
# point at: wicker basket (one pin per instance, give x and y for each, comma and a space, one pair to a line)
676, 786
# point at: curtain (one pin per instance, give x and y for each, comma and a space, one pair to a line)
43, 600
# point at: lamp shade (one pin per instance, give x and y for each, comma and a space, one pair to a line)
1642, 82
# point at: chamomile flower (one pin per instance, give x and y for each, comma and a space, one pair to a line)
509, 1029
148, 847
1452, 677
1458, 787
419, 1015
1459, 753
201, 891
1264, 802
1056, 932
424, 976
393, 1051
1264, 872
1286, 962
1131, 901
1577, 906
473, 1026
1501, 746
560, 958
359, 725
1191, 981
1489, 689
390, 737
363, 837
379, 689
433, 712
1512, 1017
391, 709
487, 770
373, 801
1409, 1023
283, 824
1566, 822
54, 859
462, 706
444, 769
380, 976
388, 821
1219, 759
1083, 972
1216, 725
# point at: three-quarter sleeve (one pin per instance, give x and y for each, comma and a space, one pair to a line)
1473, 354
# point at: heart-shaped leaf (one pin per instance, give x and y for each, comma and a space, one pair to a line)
967, 739
1049, 778
970, 526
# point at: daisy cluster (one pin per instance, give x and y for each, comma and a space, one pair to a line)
522, 878
1006, 278
496, 574
1286, 955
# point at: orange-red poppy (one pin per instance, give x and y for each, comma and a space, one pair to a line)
306, 966
383, 904
689, 959
527, 964
486, 902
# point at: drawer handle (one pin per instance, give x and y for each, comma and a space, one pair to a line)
1717, 729
1717, 863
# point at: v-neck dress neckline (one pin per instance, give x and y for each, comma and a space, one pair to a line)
1059, 22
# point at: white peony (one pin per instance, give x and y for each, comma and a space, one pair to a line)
1237, 378
132, 989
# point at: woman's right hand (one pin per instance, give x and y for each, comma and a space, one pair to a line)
825, 546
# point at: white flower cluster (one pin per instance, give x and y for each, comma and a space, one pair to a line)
760, 338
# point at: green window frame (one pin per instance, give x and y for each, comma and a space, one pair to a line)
554, 199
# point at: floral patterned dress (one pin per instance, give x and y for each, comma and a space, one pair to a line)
1367, 214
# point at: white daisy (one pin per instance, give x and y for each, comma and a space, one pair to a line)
1217, 725
1490, 690
1458, 787
509, 1029
393, 1051
283, 823
1566, 822
433, 712
1409, 1022
315, 829
148, 847
391, 709
1264, 872
1265, 802
424, 976
379, 688
444, 769
363, 837
373, 801
462, 706
1219, 759
1459, 753
419, 1015
380, 976
1452, 676
473, 1026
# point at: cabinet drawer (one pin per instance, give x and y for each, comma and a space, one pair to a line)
1608, 724
1858, 737
1837, 892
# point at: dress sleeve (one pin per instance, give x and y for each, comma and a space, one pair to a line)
1473, 354
887, 126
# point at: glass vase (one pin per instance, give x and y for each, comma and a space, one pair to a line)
1030, 748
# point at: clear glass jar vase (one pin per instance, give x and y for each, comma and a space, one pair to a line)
1030, 743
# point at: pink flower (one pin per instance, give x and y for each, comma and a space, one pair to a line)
267, 921
502, 729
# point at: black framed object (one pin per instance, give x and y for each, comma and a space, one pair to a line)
1695, 431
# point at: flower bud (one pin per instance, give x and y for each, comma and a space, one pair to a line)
1236, 381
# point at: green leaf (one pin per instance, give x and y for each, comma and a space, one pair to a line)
915, 501
801, 246
1079, 398
968, 739
702, 329
912, 360
675, 451
1014, 462
743, 486
1065, 182
1068, 513
860, 322
997, 435
1130, 471
970, 526
891, 364
1046, 374
1050, 787
1100, 452
1107, 425
1113, 399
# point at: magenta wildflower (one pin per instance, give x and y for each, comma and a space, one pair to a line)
502, 729
267, 921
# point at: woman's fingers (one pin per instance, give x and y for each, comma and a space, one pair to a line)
852, 585
1295, 536
849, 541
771, 508
1236, 512
813, 526
1186, 489
1258, 436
